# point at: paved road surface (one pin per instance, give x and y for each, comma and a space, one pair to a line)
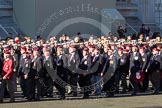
120, 101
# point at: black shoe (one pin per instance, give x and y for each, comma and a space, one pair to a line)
57, 93
142, 90
50, 96
123, 92
6, 96
29, 99
37, 99
74, 94
1, 101
134, 94
155, 92
85, 97
12, 100
117, 91
109, 94
62, 97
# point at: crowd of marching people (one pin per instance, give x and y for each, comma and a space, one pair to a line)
38, 65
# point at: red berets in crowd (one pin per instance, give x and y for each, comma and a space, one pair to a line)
85, 49
6, 51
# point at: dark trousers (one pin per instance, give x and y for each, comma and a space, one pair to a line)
133, 84
73, 82
117, 80
124, 81
23, 86
9, 84
85, 81
161, 82
48, 86
38, 86
109, 87
30, 88
155, 80
60, 89
145, 81
120, 75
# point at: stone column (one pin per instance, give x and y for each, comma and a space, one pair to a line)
147, 11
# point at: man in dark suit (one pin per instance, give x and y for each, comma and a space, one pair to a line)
22, 80
135, 56
122, 70
160, 52
135, 73
49, 66
61, 71
16, 66
144, 62
73, 61
84, 77
153, 69
97, 66
108, 73
37, 70
26, 76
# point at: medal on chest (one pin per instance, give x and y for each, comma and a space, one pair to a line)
111, 61
143, 59
6, 66
136, 57
26, 63
48, 64
122, 60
